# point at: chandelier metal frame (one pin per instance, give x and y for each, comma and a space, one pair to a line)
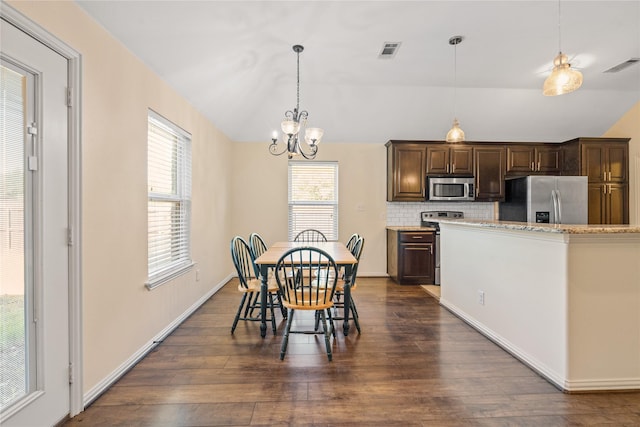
293, 123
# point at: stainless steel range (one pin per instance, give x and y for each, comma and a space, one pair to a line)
430, 219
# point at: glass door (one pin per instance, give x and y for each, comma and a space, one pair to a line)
34, 217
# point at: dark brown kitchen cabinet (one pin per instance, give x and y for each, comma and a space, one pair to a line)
534, 159
605, 161
489, 172
449, 159
608, 204
406, 165
411, 257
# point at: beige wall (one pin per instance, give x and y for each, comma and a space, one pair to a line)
260, 195
120, 315
629, 127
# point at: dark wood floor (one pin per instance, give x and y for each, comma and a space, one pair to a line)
415, 364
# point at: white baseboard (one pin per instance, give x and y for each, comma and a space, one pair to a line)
553, 377
114, 376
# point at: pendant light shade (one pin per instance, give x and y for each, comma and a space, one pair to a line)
455, 134
563, 79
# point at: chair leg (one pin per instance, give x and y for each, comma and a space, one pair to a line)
273, 314
331, 323
354, 312
317, 324
283, 309
285, 338
327, 334
235, 321
254, 297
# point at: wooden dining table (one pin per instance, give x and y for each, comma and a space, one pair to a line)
337, 250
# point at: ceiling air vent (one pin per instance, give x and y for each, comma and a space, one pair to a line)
389, 50
621, 66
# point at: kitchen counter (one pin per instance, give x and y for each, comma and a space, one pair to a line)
409, 228
547, 228
564, 299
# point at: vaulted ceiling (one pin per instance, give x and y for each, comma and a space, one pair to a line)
233, 60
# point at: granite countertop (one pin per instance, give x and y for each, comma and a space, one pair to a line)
409, 228
547, 228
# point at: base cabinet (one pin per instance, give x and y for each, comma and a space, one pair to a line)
608, 204
411, 257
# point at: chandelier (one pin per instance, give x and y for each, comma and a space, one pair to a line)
455, 134
563, 79
293, 123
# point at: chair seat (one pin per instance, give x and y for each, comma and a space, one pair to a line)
314, 304
341, 283
254, 285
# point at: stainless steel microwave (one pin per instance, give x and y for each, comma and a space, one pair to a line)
450, 189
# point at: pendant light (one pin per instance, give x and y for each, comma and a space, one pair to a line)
563, 79
455, 134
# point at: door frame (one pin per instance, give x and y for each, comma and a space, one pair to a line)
74, 73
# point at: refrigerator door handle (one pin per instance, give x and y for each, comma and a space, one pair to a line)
554, 205
559, 206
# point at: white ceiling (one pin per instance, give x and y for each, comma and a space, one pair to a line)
233, 60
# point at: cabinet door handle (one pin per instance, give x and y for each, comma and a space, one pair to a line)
453, 168
447, 168
533, 167
538, 166
416, 237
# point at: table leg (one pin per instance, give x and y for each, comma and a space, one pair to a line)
264, 271
347, 299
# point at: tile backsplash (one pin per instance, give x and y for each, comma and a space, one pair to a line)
408, 214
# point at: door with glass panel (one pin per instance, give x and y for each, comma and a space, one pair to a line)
34, 291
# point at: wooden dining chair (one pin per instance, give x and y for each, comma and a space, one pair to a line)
310, 235
307, 278
356, 251
249, 285
258, 247
352, 241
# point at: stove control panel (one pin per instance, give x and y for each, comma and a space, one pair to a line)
440, 214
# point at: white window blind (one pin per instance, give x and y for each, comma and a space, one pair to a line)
313, 198
169, 204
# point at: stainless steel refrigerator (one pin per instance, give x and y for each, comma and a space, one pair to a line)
546, 199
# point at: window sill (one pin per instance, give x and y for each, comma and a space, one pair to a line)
165, 277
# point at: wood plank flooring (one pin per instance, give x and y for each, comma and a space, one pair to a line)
415, 364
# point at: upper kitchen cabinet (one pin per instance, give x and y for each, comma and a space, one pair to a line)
489, 161
406, 171
449, 159
531, 159
605, 161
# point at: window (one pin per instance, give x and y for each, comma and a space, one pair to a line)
313, 198
169, 204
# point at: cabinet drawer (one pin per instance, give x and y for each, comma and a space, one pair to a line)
417, 237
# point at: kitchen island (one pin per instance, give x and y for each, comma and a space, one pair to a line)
564, 299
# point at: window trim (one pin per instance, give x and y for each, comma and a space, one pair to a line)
181, 266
